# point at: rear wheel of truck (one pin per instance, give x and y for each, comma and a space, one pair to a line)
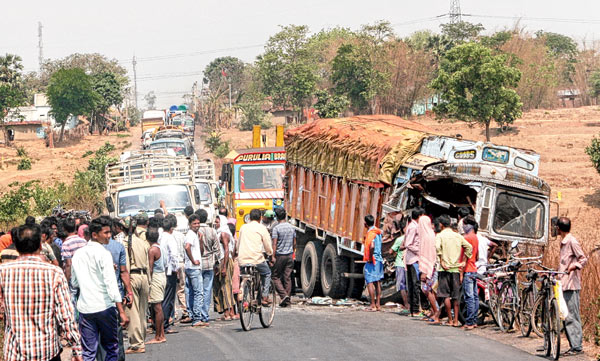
310, 269
332, 268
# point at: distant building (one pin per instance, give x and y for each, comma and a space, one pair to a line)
424, 106
569, 98
33, 118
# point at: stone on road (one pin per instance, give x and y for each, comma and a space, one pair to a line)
315, 333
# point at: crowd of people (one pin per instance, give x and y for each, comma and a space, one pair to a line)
434, 260
86, 281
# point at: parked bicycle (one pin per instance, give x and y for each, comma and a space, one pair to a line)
546, 315
250, 298
529, 294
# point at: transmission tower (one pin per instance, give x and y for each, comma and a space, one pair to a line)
455, 11
40, 46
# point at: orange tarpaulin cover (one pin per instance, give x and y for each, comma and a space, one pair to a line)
365, 147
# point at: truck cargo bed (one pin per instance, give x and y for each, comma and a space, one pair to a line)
330, 203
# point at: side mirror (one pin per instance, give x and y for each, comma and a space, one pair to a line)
197, 195
110, 205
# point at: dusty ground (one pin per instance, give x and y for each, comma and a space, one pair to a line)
60, 163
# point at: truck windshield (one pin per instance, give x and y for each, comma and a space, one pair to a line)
204, 190
178, 147
189, 123
261, 177
131, 201
519, 216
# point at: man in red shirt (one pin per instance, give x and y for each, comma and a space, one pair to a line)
468, 273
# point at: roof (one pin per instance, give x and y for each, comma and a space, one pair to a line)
365, 147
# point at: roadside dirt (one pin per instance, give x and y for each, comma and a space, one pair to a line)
50, 165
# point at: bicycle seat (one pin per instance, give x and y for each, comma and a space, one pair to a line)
526, 284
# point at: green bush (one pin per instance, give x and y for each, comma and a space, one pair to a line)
213, 140
87, 154
222, 150
24, 163
593, 150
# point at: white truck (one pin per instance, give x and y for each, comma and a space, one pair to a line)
141, 179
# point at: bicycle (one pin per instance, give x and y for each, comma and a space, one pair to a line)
546, 314
250, 298
528, 296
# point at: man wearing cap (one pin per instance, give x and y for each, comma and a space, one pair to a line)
268, 220
138, 270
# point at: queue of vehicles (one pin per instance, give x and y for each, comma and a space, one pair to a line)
165, 169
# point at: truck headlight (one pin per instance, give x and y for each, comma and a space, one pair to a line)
247, 218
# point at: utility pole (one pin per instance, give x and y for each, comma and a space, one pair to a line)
40, 46
135, 83
230, 94
455, 12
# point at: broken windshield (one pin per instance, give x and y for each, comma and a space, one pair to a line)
519, 216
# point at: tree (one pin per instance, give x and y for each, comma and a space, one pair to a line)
461, 31
70, 93
410, 72
330, 106
12, 94
476, 86
287, 70
110, 92
150, 99
595, 84
496, 40
563, 48
224, 71
355, 77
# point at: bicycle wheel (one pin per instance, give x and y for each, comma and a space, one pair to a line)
536, 317
493, 302
525, 312
507, 307
554, 330
268, 312
245, 304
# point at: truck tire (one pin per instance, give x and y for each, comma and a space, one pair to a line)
310, 268
332, 267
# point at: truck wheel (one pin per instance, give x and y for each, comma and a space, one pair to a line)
310, 268
332, 267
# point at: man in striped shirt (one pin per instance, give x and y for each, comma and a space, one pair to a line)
36, 299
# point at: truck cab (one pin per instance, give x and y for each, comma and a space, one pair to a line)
253, 179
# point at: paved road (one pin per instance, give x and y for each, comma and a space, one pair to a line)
315, 333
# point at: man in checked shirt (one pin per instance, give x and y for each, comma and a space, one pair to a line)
37, 302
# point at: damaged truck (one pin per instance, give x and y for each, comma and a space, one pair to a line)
340, 170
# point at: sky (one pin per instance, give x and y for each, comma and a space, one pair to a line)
174, 40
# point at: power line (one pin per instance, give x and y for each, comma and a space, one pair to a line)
557, 20
422, 20
195, 53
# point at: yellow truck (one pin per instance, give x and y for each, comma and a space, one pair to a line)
253, 178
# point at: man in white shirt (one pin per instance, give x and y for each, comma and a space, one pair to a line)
180, 292
171, 254
193, 272
482, 256
99, 297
